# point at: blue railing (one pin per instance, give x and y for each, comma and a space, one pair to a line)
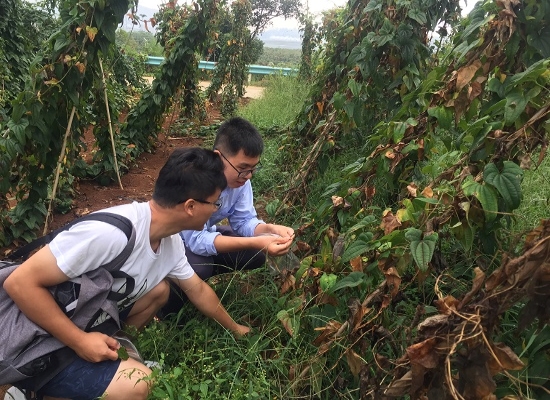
252, 69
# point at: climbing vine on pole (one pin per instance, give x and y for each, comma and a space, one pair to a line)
33, 134
180, 64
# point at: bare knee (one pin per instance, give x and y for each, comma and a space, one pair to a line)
131, 382
161, 293
146, 307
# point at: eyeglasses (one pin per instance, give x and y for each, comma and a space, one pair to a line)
216, 204
242, 174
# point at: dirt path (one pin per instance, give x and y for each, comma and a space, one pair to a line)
254, 92
138, 183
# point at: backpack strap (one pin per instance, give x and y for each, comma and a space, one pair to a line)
119, 221
62, 357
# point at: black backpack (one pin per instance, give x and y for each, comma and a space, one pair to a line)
29, 356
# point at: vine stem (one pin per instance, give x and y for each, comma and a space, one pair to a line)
109, 121
58, 170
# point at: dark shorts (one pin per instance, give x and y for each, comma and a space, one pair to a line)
82, 380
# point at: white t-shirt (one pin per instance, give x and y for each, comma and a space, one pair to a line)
89, 244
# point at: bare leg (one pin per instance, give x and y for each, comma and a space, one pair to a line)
145, 308
128, 382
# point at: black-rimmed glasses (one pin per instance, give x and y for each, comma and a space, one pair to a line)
216, 204
242, 174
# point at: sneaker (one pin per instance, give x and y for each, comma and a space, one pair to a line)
152, 364
14, 394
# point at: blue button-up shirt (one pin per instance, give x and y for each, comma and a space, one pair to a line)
238, 208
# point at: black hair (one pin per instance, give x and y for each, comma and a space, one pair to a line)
237, 134
189, 173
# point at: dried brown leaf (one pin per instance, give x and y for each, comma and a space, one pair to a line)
412, 189
288, 283
466, 73
428, 192
337, 201
446, 305
399, 387
393, 280
370, 191
328, 332
356, 264
320, 107
355, 362
477, 284
507, 359
300, 231
424, 353
389, 222
303, 246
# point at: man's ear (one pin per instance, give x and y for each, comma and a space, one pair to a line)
189, 206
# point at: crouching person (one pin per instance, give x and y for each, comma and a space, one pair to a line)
185, 194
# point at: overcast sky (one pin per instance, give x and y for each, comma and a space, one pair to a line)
315, 8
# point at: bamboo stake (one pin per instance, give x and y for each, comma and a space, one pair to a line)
109, 121
58, 170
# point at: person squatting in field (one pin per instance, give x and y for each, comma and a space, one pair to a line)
184, 198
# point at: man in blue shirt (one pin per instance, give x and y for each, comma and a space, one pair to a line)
244, 243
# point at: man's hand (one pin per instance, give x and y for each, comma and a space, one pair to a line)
240, 331
272, 244
281, 230
96, 347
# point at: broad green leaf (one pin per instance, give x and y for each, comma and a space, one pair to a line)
353, 279
356, 248
465, 234
355, 87
541, 41
515, 105
443, 115
476, 20
399, 129
338, 100
418, 16
422, 249
304, 265
365, 222
486, 195
386, 33
507, 181
123, 353
413, 234
373, 5
18, 128
531, 74
18, 111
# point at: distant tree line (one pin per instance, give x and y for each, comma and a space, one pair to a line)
275, 57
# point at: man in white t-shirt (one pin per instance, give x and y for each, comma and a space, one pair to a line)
185, 196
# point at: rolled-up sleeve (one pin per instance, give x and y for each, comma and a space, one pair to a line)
200, 242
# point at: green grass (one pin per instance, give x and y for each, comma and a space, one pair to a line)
200, 360
536, 197
282, 100
277, 108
